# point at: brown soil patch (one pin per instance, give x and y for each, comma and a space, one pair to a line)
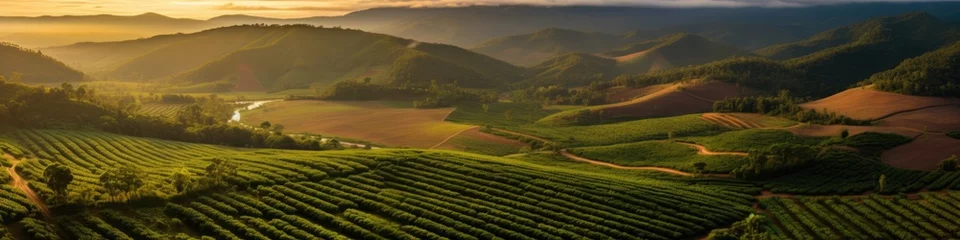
474, 134
704, 151
622, 94
866, 104
815, 130
370, 121
935, 119
924, 153
675, 100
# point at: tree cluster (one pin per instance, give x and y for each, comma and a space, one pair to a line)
782, 105
557, 95
775, 160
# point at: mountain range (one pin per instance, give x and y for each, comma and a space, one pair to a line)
258, 57
470, 26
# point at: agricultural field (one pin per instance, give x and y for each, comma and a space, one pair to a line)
661, 154
160, 109
744, 140
366, 194
922, 216
476, 141
381, 123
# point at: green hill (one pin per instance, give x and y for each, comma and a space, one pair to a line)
540, 46
574, 69
668, 52
672, 51
280, 57
845, 55
34, 67
932, 74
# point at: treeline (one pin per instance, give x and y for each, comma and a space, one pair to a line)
782, 105
932, 74
557, 95
433, 95
69, 107
776, 160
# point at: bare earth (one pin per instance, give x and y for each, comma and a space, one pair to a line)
675, 100
935, 119
866, 104
476, 134
924, 153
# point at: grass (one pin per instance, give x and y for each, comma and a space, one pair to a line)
954, 134
624, 132
521, 114
744, 140
660, 154
376, 122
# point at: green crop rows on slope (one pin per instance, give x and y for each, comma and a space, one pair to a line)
374, 194
933, 216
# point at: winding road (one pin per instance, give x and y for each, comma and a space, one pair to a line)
20, 183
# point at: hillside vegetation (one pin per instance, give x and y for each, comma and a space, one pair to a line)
534, 48
846, 55
932, 74
29, 66
670, 52
257, 57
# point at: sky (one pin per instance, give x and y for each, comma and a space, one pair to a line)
202, 9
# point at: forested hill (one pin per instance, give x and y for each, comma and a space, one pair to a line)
668, 52
256, 57
537, 47
935, 73
846, 55
24, 65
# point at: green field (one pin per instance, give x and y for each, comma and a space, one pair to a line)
745, 140
375, 194
660, 154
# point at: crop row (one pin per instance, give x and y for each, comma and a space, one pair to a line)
935, 216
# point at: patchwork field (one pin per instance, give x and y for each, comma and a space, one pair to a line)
476, 141
674, 100
368, 194
867, 104
380, 123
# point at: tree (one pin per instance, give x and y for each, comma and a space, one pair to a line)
58, 177
367, 80
882, 181
508, 114
182, 180
486, 108
700, 166
265, 125
844, 134
949, 164
670, 135
122, 180
278, 128
219, 169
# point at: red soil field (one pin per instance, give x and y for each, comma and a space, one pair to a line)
924, 153
247, 80
675, 100
935, 119
866, 104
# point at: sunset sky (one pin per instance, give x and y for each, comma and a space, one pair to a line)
303, 8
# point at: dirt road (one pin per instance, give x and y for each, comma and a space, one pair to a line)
20, 183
